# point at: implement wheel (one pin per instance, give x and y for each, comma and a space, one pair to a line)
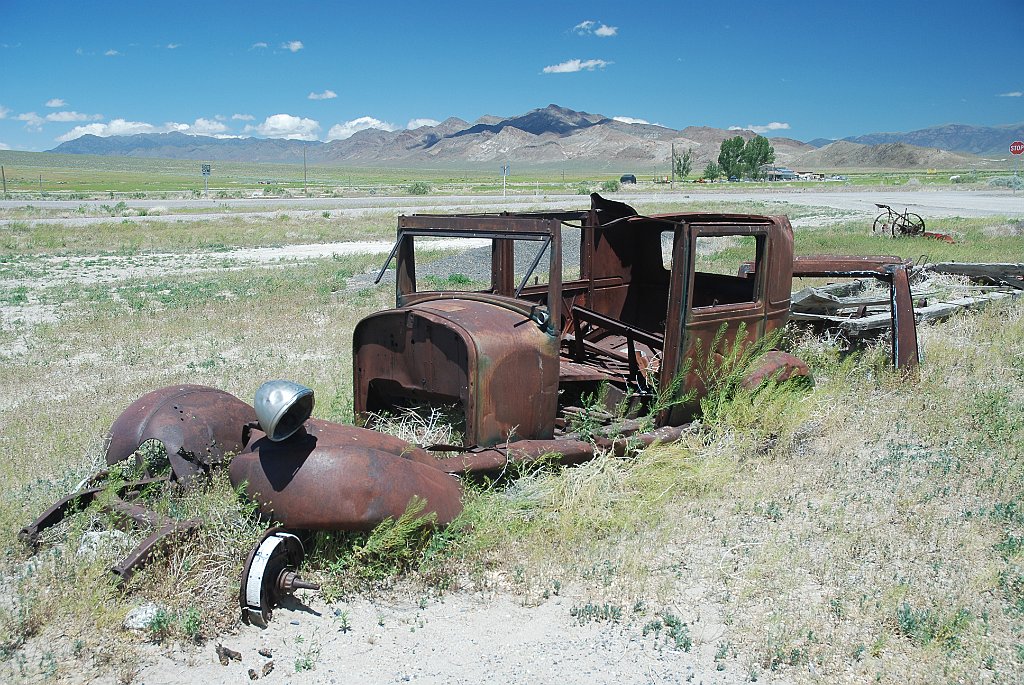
883, 223
910, 224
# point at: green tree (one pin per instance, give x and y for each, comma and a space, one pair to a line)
730, 157
683, 164
712, 171
756, 153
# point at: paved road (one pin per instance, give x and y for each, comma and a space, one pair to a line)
927, 203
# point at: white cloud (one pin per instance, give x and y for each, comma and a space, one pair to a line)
173, 46
4, 112
112, 53
345, 130
242, 117
293, 45
117, 127
72, 116
286, 126
33, 121
206, 127
4, 146
765, 128
574, 65
417, 123
122, 127
326, 95
258, 46
1012, 94
631, 120
56, 102
592, 28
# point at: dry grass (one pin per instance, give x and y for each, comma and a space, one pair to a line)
123, 237
871, 529
68, 380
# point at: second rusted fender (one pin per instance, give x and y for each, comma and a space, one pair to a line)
340, 478
198, 425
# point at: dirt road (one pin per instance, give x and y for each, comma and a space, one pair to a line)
927, 203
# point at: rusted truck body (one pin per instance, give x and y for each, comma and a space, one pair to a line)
621, 306
577, 308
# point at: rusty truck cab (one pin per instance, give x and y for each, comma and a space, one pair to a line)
645, 309
604, 299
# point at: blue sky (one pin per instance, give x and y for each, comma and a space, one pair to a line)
323, 70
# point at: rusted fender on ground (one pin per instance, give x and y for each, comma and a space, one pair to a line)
776, 365
197, 424
333, 477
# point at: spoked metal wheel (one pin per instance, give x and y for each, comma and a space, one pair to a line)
883, 223
910, 224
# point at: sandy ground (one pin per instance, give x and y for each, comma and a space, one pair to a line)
457, 638
50, 272
112, 268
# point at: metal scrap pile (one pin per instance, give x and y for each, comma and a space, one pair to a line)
861, 308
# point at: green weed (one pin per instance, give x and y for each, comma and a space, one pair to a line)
675, 632
596, 612
308, 656
924, 626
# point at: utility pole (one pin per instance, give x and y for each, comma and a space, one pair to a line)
5, 181
504, 175
672, 164
305, 189
40, 184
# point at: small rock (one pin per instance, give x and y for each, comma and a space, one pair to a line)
265, 652
294, 623
224, 654
253, 675
95, 540
142, 616
268, 667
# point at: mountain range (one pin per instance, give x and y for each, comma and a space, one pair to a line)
558, 137
989, 141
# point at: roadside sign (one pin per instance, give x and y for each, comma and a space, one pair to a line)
1017, 147
206, 167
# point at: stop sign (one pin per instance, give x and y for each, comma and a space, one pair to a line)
1017, 147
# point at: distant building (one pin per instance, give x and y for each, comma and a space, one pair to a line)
778, 173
